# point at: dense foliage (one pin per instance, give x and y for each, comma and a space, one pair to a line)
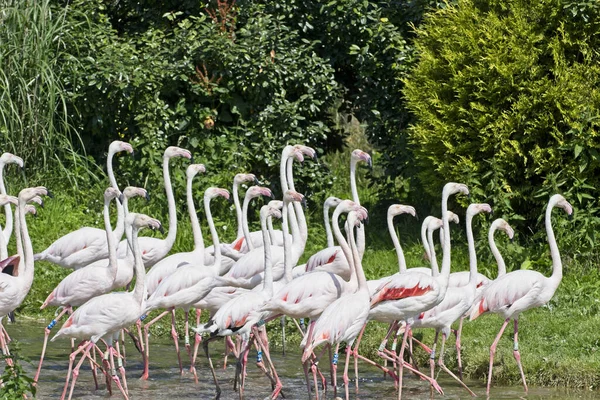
506, 99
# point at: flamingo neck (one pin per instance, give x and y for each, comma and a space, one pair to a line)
435, 271
343, 243
287, 242
246, 229
196, 231
446, 243
27, 249
19, 238
471, 246
268, 278
238, 209
358, 269
554, 253
138, 265
424, 237
215, 236
360, 232
496, 253
271, 230
170, 239
110, 240
394, 236
120, 227
8, 226
297, 219
327, 223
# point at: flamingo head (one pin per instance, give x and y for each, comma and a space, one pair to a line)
477, 208
397, 209
111, 193
502, 225
27, 194
29, 209
38, 200
6, 199
243, 178
451, 188
268, 211
291, 195
118, 146
213, 192
256, 191
359, 155
174, 151
559, 201
8, 158
332, 201
307, 151
278, 204
132, 191
141, 221
194, 169
452, 217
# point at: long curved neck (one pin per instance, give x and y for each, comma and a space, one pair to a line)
554, 253
287, 242
358, 269
19, 238
238, 209
435, 271
127, 229
170, 239
471, 246
327, 223
268, 278
271, 230
213, 233
297, 219
446, 244
3, 246
196, 231
110, 240
343, 243
360, 232
138, 265
399, 252
245, 222
27, 248
424, 238
496, 253
7, 231
120, 226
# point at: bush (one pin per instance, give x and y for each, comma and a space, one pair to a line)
506, 99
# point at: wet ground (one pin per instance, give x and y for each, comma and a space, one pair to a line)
166, 383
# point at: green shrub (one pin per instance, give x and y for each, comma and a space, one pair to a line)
506, 99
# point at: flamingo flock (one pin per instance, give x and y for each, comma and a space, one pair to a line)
245, 284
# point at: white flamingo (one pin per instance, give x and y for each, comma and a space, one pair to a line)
155, 249
86, 245
240, 315
14, 289
85, 283
515, 292
105, 315
7, 158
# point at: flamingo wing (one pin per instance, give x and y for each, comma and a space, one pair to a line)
402, 286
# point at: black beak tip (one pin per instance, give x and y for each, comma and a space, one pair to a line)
230, 200
304, 202
42, 204
272, 196
571, 216
417, 216
192, 160
256, 182
366, 222
49, 194
316, 157
132, 153
35, 215
161, 229
147, 197
121, 198
370, 164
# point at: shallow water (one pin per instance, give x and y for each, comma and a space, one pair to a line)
165, 382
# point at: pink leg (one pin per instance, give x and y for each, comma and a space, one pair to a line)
46, 334
493, 352
401, 362
443, 366
146, 370
120, 359
212, 368
113, 372
75, 372
432, 355
334, 363
345, 376
197, 339
261, 338
355, 354
458, 357
93, 364
518, 355
188, 348
176, 341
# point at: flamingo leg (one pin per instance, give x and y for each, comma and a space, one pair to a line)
244, 359
458, 357
345, 376
518, 355
212, 368
432, 356
355, 354
333, 358
176, 341
75, 372
146, 370
197, 339
443, 366
113, 371
188, 348
93, 367
122, 344
261, 338
401, 362
283, 334
120, 359
493, 352
46, 334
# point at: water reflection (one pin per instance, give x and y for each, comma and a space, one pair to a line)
165, 382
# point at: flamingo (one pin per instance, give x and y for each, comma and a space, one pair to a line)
86, 245
85, 283
515, 292
240, 315
14, 289
105, 315
7, 158
407, 295
457, 300
343, 319
506, 228
155, 249
186, 285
